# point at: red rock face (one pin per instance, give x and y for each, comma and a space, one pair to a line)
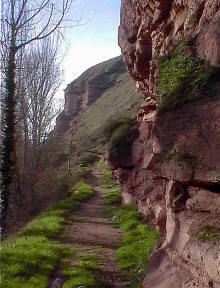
153, 28
175, 181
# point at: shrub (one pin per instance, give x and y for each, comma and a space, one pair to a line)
172, 73
113, 124
121, 132
184, 78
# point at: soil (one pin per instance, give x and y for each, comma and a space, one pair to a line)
96, 233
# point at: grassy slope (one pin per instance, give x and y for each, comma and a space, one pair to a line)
119, 99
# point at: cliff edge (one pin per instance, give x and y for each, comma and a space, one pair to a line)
172, 50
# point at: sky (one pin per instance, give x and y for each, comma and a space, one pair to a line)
93, 42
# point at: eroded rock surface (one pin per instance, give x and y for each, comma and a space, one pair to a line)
153, 28
175, 180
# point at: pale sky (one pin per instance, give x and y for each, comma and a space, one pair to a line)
94, 42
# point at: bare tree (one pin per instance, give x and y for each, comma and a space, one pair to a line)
23, 22
37, 82
42, 78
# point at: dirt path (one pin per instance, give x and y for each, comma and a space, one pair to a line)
95, 233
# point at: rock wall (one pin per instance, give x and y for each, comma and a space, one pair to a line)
175, 177
84, 91
152, 28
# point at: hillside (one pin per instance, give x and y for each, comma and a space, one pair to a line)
133, 179
103, 92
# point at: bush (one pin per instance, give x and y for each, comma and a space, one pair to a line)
184, 78
172, 73
113, 124
120, 133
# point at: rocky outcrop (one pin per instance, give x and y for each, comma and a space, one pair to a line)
103, 92
155, 27
175, 178
84, 91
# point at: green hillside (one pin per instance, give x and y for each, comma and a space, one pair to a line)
119, 99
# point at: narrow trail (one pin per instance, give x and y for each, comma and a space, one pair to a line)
95, 233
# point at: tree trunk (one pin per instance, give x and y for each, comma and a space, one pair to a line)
8, 147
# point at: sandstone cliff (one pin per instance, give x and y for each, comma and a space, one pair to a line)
172, 51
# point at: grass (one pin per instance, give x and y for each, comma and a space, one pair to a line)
121, 100
210, 233
82, 191
84, 274
113, 189
139, 240
185, 79
172, 73
49, 226
29, 259
136, 247
113, 196
79, 219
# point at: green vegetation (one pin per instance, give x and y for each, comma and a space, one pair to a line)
113, 189
120, 134
184, 78
113, 196
139, 240
137, 244
178, 156
79, 219
210, 233
82, 191
49, 226
88, 158
117, 129
29, 259
172, 73
120, 100
79, 172
112, 124
108, 181
85, 273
